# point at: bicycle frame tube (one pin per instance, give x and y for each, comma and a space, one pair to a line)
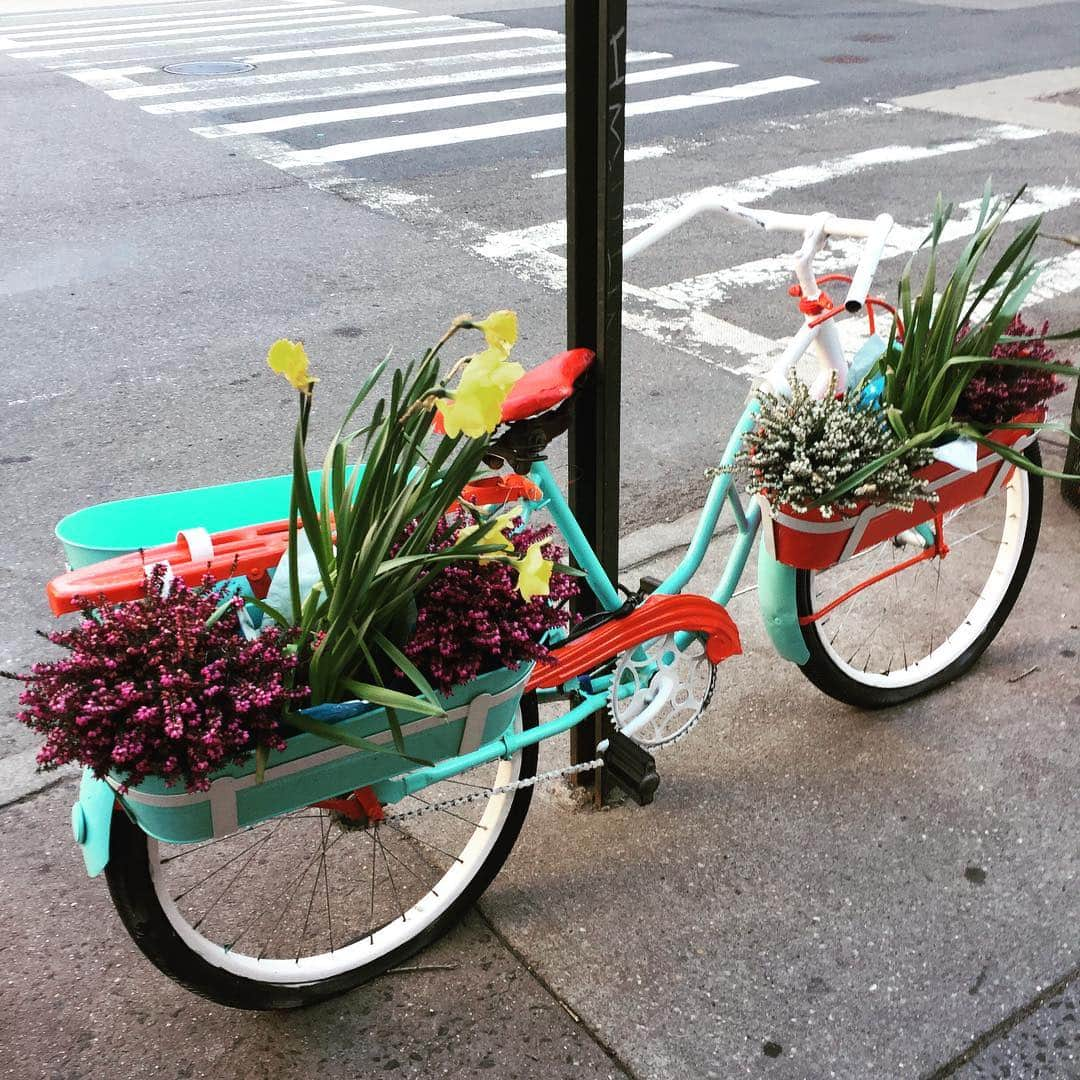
722, 491
580, 548
391, 791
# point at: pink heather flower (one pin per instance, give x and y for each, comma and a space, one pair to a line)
471, 618
997, 393
148, 689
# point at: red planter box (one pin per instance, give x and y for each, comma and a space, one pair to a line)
810, 541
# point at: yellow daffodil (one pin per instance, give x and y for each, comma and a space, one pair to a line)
288, 358
475, 407
493, 531
500, 330
534, 573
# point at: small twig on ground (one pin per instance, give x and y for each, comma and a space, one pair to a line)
1024, 674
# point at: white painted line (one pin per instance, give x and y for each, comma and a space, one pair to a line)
755, 188
1060, 275
420, 82
325, 24
163, 15
277, 78
114, 79
459, 39
455, 101
633, 153
188, 22
392, 144
840, 255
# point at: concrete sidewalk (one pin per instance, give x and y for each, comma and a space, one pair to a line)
816, 892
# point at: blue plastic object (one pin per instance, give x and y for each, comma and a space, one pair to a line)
91, 822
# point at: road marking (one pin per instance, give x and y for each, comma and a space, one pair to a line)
341, 24
131, 31
113, 79
458, 39
842, 254
552, 234
144, 19
339, 89
393, 144
456, 101
633, 153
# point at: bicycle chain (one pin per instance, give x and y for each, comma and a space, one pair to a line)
488, 793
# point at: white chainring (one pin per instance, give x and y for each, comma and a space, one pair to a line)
658, 690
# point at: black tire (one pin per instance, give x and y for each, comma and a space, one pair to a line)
131, 887
828, 676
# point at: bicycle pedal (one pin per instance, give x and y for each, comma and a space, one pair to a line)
631, 768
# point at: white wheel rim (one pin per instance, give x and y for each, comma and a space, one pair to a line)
971, 624
369, 948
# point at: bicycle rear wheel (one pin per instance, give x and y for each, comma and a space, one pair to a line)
308, 905
924, 626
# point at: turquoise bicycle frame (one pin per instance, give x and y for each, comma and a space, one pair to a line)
92, 814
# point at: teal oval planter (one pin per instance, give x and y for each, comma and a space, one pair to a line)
311, 768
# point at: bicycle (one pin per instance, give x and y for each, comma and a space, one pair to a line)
300, 906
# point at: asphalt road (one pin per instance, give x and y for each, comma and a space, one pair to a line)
159, 230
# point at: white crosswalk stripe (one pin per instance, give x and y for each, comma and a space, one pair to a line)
456, 101
120, 55
366, 28
307, 108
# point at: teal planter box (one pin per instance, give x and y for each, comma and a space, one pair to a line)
312, 768
116, 528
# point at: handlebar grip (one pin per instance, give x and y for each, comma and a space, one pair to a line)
871, 256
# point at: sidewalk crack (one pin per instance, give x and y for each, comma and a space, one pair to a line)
1003, 1027
610, 1052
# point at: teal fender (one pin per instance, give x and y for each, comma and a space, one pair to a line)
91, 821
776, 595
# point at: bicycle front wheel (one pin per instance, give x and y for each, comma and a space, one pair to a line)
308, 905
913, 631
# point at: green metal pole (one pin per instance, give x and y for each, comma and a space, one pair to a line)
595, 139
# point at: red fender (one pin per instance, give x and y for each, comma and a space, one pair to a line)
658, 615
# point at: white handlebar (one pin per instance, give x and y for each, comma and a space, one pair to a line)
821, 335
871, 256
770, 220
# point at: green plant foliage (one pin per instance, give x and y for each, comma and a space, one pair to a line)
949, 337
373, 553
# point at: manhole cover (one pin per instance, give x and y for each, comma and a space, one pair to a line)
208, 67
870, 36
845, 58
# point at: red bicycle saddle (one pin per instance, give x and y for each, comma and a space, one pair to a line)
542, 387
546, 385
